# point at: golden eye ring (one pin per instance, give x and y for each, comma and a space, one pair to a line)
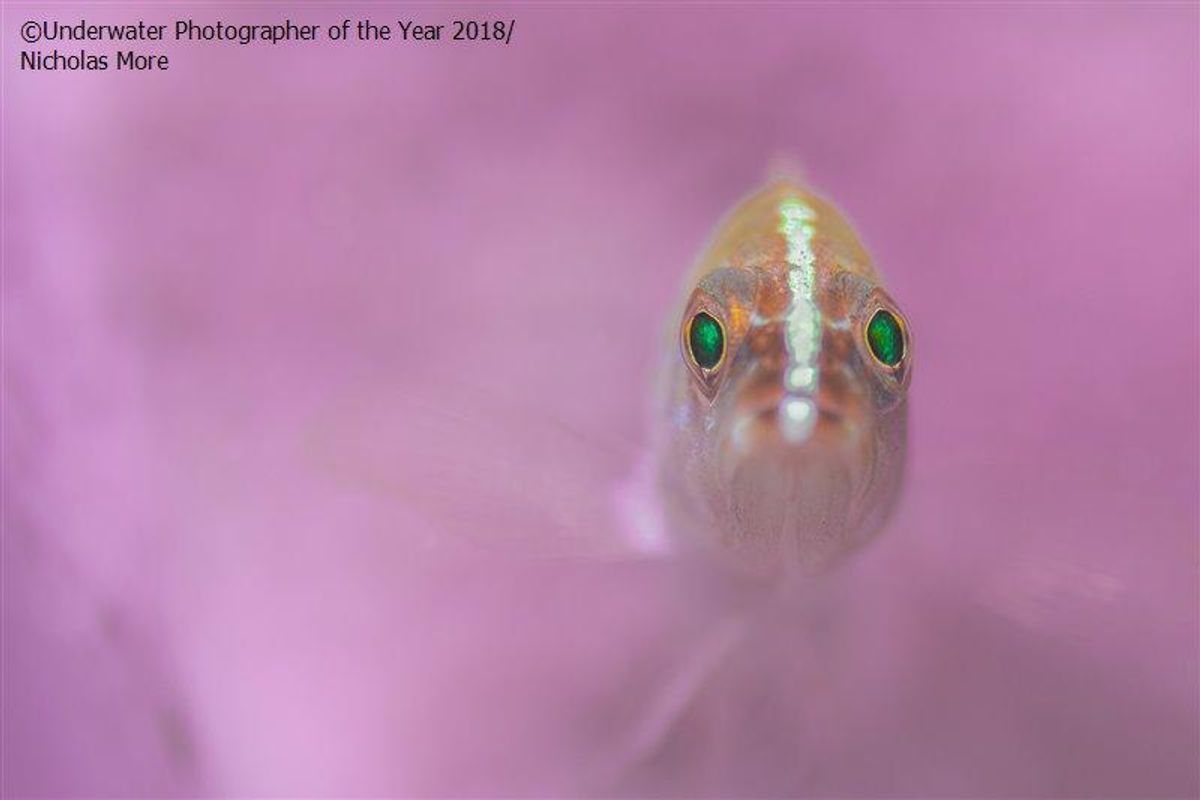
706, 342
886, 337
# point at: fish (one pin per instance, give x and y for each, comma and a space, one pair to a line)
778, 423
782, 403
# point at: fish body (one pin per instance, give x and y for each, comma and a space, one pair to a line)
783, 401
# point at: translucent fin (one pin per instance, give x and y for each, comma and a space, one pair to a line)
484, 473
786, 168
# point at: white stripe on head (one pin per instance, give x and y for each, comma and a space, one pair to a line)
803, 321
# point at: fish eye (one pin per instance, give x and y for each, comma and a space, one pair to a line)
886, 338
706, 341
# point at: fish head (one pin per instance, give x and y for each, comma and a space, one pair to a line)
794, 432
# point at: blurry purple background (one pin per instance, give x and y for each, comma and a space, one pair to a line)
326, 368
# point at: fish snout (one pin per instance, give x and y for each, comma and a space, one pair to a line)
831, 422
794, 465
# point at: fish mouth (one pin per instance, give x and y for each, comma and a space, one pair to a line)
791, 424
793, 468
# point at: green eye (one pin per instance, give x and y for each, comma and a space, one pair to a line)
885, 337
706, 340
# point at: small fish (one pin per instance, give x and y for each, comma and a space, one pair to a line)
784, 431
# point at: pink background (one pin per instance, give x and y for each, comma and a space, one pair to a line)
326, 368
